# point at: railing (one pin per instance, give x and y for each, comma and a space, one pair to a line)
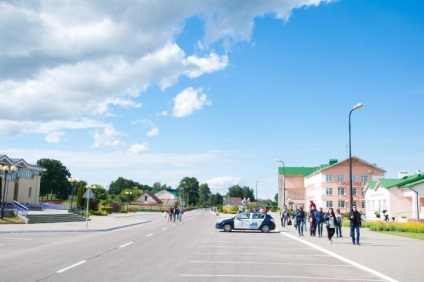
20, 208
405, 214
46, 206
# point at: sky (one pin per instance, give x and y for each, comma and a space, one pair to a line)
155, 91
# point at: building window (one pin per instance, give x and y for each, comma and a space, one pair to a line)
364, 178
329, 204
363, 204
340, 191
353, 178
145, 198
354, 191
29, 192
328, 191
329, 178
340, 178
354, 203
341, 204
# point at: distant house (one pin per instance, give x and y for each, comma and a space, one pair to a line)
233, 201
148, 198
169, 197
23, 185
402, 198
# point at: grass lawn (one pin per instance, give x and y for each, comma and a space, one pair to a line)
9, 220
419, 236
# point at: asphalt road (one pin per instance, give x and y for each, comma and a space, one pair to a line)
192, 250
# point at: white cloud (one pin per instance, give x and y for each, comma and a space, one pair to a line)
188, 101
138, 148
153, 132
162, 114
222, 182
55, 137
107, 138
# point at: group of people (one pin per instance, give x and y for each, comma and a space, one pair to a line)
317, 218
174, 214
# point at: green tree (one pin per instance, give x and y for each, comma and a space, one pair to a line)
189, 190
80, 193
215, 200
248, 193
119, 185
204, 194
235, 191
55, 179
157, 186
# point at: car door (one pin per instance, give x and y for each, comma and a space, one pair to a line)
242, 221
256, 220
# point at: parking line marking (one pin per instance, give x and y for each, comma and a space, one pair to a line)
148, 235
124, 245
360, 266
69, 267
269, 263
276, 276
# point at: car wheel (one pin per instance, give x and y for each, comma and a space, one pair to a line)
227, 227
265, 229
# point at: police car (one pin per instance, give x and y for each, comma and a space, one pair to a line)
247, 221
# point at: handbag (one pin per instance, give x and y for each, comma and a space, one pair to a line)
289, 222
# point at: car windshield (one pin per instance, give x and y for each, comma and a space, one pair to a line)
243, 216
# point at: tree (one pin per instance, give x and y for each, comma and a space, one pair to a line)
248, 193
80, 193
204, 194
215, 200
189, 189
55, 179
235, 191
116, 187
157, 186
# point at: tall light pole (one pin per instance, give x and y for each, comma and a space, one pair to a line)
357, 106
257, 193
284, 182
73, 182
6, 170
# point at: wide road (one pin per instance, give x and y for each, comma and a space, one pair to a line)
192, 250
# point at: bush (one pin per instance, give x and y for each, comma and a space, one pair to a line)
410, 227
116, 207
107, 210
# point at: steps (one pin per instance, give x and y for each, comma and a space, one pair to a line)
53, 218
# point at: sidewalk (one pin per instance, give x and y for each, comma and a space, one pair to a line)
397, 257
94, 224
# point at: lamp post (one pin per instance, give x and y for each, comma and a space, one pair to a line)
6, 170
128, 193
74, 182
356, 107
257, 193
284, 182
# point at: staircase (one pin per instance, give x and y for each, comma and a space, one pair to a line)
53, 218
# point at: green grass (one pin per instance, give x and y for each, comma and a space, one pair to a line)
419, 236
10, 220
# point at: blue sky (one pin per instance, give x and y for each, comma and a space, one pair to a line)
157, 91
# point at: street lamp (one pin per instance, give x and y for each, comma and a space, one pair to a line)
284, 181
127, 193
257, 193
74, 182
357, 107
6, 170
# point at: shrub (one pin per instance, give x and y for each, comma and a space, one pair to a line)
107, 210
116, 207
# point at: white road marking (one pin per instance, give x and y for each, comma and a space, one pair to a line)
23, 239
164, 228
69, 267
244, 247
258, 254
270, 263
276, 276
360, 266
124, 245
173, 224
148, 235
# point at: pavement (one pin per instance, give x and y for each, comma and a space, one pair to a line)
94, 224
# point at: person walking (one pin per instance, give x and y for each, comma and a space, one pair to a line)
285, 217
312, 222
300, 219
320, 222
339, 223
331, 224
355, 225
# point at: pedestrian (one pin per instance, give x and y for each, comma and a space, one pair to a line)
312, 205
300, 219
331, 224
355, 225
320, 222
285, 217
177, 213
339, 223
295, 218
312, 222
181, 213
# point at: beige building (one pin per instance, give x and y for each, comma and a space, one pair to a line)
22, 186
327, 185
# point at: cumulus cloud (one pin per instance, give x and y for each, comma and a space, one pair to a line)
55, 137
222, 182
107, 137
188, 101
138, 148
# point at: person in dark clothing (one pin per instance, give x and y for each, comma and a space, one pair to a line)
300, 217
319, 220
355, 225
312, 222
331, 224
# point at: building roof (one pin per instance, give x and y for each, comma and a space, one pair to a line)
371, 184
20, 163
412, 180
140, 198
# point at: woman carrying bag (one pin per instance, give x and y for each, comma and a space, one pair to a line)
331, 224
